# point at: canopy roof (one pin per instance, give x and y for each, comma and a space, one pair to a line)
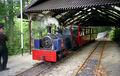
43, 5
78, 12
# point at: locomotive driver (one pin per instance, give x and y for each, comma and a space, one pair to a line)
3, 49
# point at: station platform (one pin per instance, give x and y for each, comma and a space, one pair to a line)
18, 64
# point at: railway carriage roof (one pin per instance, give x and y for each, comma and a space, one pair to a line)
78, 12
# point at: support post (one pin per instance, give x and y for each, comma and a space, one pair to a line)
29, 28
90, 34
116, 28
21, 27
30, 36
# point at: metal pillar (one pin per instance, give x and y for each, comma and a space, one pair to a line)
21, 27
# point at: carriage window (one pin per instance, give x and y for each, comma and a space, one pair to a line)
74, 30
94, 31
89, 31
85, 31
81, 32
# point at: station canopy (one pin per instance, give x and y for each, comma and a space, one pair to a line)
77, 12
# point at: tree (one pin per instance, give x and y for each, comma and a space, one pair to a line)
8, 11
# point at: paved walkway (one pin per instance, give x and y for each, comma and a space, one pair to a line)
111, 59
18, 64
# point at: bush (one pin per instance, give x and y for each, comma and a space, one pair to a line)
114, 37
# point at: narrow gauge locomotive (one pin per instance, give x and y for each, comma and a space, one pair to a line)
53, 47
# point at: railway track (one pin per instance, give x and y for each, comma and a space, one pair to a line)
43, 67
36, 70
91, 66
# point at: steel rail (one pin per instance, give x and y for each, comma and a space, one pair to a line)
44, 70
90, 53
33, 71
100, 58
41, 68
70, 54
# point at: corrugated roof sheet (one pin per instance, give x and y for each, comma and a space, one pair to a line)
101, 15
68, 4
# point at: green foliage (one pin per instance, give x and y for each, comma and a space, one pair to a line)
37, 28
15, 48
112, 35
103, 28
2, 10
9, 9
115, 35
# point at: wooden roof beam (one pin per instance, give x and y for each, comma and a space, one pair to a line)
106, 11
82, 14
